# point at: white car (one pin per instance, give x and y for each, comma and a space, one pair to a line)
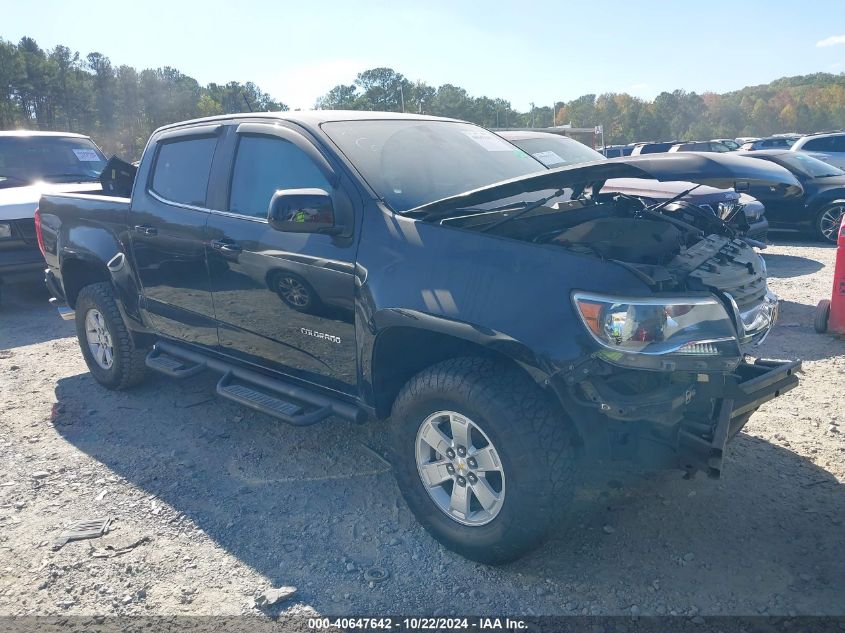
827, 147
32, 164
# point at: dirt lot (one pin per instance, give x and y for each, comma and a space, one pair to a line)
233, 503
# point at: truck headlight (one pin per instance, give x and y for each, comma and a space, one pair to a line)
665, 333
5, 230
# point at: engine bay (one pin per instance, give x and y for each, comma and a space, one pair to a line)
671, 247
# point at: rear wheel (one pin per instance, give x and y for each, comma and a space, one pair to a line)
482, 456
108, 349
828, 220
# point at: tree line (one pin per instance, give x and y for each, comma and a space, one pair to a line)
800, 104
118, 106
58, 89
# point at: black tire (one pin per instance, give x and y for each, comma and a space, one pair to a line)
824, 228
311, 302
127, 368
822, 316
531, 436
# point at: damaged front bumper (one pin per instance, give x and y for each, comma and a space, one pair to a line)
747, 389
684, 421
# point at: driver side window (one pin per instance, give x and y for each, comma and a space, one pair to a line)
264, 164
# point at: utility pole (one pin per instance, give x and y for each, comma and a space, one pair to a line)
532, 114
402, 97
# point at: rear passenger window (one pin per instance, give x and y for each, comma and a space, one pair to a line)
182, 169
838, 144
265, 164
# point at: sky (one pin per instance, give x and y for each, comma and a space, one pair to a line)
540, 52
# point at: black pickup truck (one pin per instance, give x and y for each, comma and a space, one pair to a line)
509, 324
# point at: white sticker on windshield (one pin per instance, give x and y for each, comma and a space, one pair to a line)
549, 158
489, 141
86, 156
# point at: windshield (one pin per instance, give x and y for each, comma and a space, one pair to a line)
808, 165
25, 160
410, 163
557, 151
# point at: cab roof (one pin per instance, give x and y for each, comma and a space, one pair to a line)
313, 118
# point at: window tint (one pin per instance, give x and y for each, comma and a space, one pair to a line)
824, 144
182, 168
839, 144
264, 164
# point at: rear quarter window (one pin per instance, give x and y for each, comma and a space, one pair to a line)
182, 168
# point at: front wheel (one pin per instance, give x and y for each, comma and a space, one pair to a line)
828, 220
108, 348
482, 456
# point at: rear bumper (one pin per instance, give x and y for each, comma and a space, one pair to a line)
57, 298
54, 286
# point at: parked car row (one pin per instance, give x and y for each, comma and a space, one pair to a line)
827, 146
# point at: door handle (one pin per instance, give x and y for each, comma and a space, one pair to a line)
226, 246
146, 229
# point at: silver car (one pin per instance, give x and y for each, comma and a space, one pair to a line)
827, 147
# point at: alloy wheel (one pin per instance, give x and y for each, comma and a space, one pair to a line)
830, 220
99, 339
460, 468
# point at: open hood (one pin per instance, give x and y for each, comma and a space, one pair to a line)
722, 171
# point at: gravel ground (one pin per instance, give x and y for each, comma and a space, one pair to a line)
212, 504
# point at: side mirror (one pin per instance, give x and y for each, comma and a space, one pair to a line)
303, 211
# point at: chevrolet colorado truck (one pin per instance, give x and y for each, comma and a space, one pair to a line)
32, 163
507, 324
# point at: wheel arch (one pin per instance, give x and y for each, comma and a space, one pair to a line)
78, 272
401, 351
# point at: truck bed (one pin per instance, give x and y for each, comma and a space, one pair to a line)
67, 217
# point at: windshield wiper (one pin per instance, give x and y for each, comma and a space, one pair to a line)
473, 210
529, 206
